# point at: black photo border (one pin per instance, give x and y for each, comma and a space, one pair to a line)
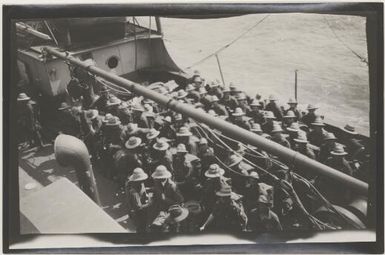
374, 29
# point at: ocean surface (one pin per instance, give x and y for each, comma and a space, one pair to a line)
264, 60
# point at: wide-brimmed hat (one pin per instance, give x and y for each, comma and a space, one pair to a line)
350, 129
255, 127
225, 191
226, 90
312, 107
292, 101
113, 101
254, 175
23, 97
233, 88
181, 148
289, 114
338, 150
131, 127
161, 145
318, 121
329, 136
193, 207
255, 102
63, 106
92, 114
167, 119
133, 142
152, 133
234, 160
212, 113
138, 175
214, 99
203, 141
161, 172
107, 117
272, 98
113, 121
147, 101
301, 138
178, 116
241, 96
181, 94
213, 84
190, 87
198, 79
276, 128
238, 112
184, 131
137, 108
269, 115
294, 127
177, 213
214, 171
202, 91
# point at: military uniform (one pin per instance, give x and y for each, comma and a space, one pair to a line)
273, 107
166, 195
138, 203
229, 216
266, 223
309, 118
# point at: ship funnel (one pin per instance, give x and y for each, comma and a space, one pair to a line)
71, 151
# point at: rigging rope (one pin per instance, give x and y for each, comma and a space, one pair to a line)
228, 44
344, 44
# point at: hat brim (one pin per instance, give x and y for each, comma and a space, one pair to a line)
350, 132
300, 141
276, 131
313, 108
193, 207
165, 147
292, 130
221, 173
153, 135
184, 134
165, 176
221, 194
23, 99
113, 124
112, 104
181, 217
132, 146
142, 178
317, 124
238, 114
339, 153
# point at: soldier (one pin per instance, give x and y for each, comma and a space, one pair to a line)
288, 119
167, 130
268, 125
302, 145
229, 101
186, 137
128, 158
132, 129
354, 147
278, 137
166, 192
160, 156
28, 120
124, 113
242, 169
293, 107
255, 114
251, 191
113, 105
227, 214
101, 103
262, 218
293, 133
212, 184
151, 137
67, 122
176, 220
92, 138
327, 147
310, 117
256, 129
317, 134
205, 153
273, 107
242, 103
138, 200
147, 118
218, 108
330, 188
192, 94
239, 120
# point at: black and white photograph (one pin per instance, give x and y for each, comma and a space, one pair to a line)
248, 124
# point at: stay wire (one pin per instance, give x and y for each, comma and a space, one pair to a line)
344, 44
228, 44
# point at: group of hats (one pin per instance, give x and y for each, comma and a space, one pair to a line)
160, 172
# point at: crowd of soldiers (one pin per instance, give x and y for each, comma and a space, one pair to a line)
171, 176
